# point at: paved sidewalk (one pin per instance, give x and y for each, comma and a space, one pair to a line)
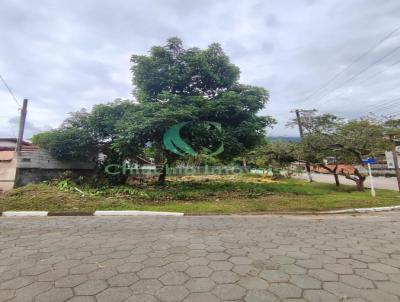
204, 259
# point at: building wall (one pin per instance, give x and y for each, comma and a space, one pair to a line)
7, 174
39, 165
27, 176
4, 143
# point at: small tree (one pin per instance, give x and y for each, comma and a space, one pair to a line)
315, 145
315, 148
356, 140
273, 154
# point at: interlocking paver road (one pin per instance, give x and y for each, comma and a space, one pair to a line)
205, 259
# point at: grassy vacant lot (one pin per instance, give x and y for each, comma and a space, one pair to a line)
198, 195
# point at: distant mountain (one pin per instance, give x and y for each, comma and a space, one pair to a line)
284, 138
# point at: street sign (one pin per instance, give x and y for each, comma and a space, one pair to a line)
390, 160
369, 160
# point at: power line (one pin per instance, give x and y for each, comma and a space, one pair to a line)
379, 72
334, 77
385, 103
10, 91
361, 72
372, 76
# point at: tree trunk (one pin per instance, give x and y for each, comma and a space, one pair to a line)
163, 174
244, 164
337, 183
360, 185
308, 169
334, 172
361, 180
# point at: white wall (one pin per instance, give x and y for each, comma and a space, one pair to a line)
7, 172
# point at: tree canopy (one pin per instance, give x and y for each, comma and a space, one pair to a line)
172, 84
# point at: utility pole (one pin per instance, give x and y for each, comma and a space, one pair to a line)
21, 126
299, 123
395, 160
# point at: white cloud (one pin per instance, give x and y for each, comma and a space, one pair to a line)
68, 54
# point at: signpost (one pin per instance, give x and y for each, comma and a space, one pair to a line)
370, 161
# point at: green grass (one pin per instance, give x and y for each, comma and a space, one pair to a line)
199, 195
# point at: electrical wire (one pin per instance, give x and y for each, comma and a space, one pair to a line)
359, 73
10, 91
385, 104
335, 76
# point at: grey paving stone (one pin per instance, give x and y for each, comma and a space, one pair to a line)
292, 269
114, 294
198, 261
32, 290
141, 298
197, 285
342, 290
374, 295
274, 276
82, 299
151, 272
174, 278
70, 281
339, 268
103, 273
306, 282
285, 290
199, 271
90, 287
371, 274
229, 292
383, 268
172, 293
253, 283
55, 295
130, 267
357, 281
323, 275
6, 294
149, 286
123, 279
220, 265
176, 267
240, 260
318, 295
16, 283
245, 270
224, 277
354, 259
260, 296
389, 286
201, 297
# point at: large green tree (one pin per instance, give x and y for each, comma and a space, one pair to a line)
172, 85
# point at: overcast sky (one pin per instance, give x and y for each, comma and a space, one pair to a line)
69, 54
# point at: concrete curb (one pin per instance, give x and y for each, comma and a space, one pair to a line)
364, 210
96, 213
24, 213
176, 214
135, 213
